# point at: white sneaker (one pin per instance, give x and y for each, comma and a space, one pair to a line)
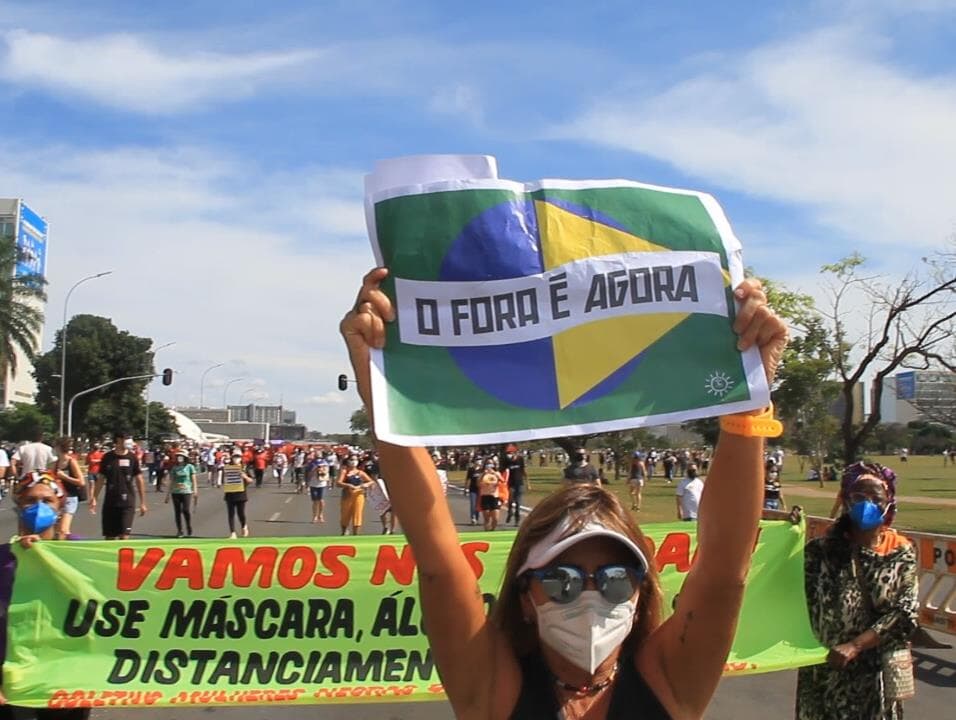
232, 536
245, 531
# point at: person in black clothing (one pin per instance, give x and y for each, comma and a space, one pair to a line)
513, 462
581, 470
473, 475
123, 477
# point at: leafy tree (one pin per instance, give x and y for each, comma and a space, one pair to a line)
707, 428
97, 352
161, 423
21, 317
22, 421
888, 437
358, 423
910, 324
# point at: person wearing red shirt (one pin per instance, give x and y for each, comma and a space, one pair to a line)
93, 459
259, 465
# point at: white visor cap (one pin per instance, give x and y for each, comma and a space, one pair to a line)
563, 537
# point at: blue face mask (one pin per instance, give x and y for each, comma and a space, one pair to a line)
37, 517
866, 514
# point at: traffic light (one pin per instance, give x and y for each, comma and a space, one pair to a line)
343, 382
168, 376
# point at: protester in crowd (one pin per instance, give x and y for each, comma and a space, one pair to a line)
518, 482
772, 489
234, 484
488, 492
353, 481
581, 470
635, 480
259, 461
35, 455
39, 500
670, 464
298, 469
93, 459
472, 477
689, 492
218, 459
6, 473
184, 491
576, 630
318, 479
120, 472
280, 462
862, 595
67, 470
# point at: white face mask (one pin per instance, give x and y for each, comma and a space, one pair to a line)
587, 630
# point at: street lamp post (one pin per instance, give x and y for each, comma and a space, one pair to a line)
225, 390
69, 411
202, 381
66, 303
146, 428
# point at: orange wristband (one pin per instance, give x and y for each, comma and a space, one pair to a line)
762, 425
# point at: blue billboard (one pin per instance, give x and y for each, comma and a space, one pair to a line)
31, 242
906, 385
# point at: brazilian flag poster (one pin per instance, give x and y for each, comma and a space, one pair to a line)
529, 310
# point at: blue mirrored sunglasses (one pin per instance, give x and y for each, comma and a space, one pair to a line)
564, 583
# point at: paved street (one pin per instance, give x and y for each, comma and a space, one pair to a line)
278, 511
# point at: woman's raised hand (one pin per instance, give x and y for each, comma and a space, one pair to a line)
757, 324
363, 327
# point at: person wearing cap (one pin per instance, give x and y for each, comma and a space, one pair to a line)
576, 630
184, 491
234, 484
122, 475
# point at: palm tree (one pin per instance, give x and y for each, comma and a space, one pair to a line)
21, 314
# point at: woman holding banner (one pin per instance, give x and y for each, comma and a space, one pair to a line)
576, 630
39, 499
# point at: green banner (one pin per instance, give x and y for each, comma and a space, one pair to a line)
295, 620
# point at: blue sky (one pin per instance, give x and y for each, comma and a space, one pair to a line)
211, 153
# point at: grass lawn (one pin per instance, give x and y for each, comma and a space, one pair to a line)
922, 476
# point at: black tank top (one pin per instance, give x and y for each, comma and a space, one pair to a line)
630, 696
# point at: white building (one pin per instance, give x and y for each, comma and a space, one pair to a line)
29, 229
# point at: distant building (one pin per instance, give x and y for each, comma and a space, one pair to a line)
918, 395
247, 422
838, 408
272, 414
29, 229
206, 414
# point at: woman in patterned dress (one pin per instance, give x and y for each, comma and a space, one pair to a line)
862, 596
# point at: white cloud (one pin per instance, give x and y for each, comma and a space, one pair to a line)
822, 121
333, 397
125, 71
237, 276
458, 100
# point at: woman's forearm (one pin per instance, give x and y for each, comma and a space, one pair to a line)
730, 507
420, 506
